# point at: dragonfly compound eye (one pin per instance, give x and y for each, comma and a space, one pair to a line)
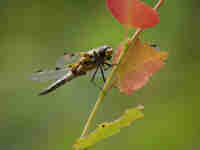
109, 51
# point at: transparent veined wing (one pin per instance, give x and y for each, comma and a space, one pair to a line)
67, 58
47, 75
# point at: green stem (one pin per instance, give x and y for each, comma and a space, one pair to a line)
114, 70
106, 85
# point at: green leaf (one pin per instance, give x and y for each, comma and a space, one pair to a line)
108, 129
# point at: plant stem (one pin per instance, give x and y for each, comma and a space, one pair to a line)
114, 70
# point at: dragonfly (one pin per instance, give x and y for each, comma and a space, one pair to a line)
73, 65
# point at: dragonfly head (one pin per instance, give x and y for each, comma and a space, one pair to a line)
106, 51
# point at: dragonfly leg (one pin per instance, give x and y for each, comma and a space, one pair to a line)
102, 73
94, 74
93, 77
108, 66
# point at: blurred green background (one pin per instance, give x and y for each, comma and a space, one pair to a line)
33, 34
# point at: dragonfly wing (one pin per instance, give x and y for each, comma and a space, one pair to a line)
67, 58
43, 76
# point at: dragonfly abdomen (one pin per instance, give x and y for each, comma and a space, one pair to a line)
68, 77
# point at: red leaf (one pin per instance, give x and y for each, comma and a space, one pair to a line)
136, 80
133, 13
138, 65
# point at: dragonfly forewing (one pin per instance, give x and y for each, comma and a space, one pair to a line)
67, 58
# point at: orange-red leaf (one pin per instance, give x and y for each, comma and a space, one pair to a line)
139, 63
133, 13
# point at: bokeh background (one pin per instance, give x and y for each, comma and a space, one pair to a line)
33, 34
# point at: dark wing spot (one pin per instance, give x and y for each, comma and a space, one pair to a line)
57, 68
103, 125
39, 71
153, 45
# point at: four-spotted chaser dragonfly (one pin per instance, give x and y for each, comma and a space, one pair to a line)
73, 65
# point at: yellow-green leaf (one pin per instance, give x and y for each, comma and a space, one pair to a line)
108, 129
